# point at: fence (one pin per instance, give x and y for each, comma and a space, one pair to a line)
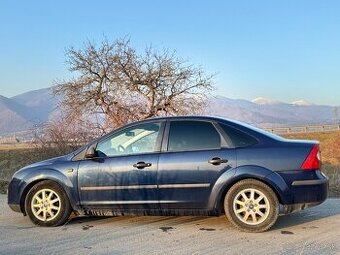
8, 139
304, 129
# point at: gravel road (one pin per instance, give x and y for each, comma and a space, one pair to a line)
313, 231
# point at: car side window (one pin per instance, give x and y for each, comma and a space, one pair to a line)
238, 138
193, 135
135, 140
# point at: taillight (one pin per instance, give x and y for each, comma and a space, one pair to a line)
312, 161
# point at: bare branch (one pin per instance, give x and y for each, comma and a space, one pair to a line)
123, 86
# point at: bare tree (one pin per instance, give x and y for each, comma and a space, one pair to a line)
63, 134
122, 85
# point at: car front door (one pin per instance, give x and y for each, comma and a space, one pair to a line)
194, 155
123, 173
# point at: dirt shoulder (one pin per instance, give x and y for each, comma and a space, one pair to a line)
3, 186
311, 231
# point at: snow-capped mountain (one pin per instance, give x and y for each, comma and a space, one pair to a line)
269, 113
301, 102
264, 101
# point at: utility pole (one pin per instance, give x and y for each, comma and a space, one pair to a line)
336, 114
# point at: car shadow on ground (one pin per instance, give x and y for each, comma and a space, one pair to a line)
294, 219
155, 221
85, 219
306, 216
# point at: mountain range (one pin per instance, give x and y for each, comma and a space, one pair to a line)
22, 112
264, 112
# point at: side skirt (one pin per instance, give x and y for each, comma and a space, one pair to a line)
150, 212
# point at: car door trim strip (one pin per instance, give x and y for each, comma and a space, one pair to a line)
119, 187
190, 185
162, 186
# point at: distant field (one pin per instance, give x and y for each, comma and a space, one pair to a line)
15, 146
330, 155
329, 144
13, 157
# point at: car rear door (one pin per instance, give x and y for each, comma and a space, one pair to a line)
194, 155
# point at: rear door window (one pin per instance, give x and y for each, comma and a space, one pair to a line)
193, 135
238, 138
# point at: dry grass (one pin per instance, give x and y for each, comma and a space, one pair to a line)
329, 144
330, 155
16, 146
14, 157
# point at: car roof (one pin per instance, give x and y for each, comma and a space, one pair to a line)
191, 117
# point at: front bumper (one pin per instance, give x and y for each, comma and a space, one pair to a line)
13, 198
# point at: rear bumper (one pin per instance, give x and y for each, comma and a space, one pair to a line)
15, 207
309, 182
305, 192
286, 209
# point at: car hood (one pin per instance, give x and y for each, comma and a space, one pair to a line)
23, 171
48, 162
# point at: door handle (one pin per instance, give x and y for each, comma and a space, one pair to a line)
141, 165
217, 161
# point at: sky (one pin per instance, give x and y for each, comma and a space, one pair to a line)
282, 50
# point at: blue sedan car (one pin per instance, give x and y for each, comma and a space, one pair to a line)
176, 166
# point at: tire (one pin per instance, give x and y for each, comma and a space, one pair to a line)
251, 206
54, 210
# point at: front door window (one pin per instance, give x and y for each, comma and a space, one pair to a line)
138, 139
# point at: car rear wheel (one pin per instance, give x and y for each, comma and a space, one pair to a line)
251, 206
47, 204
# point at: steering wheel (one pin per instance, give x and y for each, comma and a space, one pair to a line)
121, 148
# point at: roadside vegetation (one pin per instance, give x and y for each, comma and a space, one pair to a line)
16, 156
13, 157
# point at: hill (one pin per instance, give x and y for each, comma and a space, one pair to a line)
263, 112
12, 115
22, 112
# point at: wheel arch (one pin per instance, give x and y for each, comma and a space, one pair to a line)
25, 192
268, 177
54, 176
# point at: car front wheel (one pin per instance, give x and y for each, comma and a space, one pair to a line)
47, 204
251, 206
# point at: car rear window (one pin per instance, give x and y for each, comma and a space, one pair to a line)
193, 135
238, 138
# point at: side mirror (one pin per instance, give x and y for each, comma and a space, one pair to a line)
90, 152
